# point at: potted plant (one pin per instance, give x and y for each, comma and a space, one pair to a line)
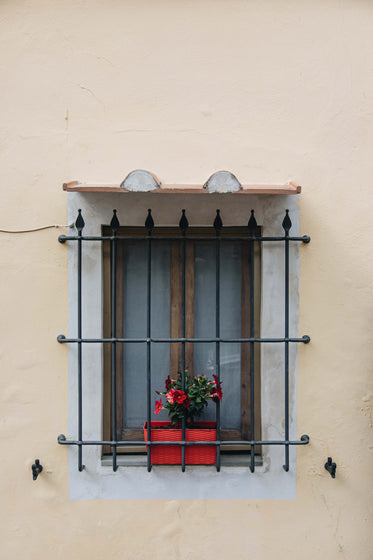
188, 404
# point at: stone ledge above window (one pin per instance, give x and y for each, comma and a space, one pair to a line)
221, 182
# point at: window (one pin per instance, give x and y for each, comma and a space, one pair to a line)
166, 322
88, 316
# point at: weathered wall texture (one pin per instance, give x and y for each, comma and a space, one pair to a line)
271, 90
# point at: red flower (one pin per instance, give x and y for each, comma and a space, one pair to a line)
216, 392
180, 396
168, 382
170, 396
177, 396
186, 402
158, 406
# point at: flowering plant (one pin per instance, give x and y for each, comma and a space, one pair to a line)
190, 402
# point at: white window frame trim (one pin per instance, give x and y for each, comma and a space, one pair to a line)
269, 481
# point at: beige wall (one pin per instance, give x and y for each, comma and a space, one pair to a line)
271, 90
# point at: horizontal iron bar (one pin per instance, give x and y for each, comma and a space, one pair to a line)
304, 440
62, 339
63, 238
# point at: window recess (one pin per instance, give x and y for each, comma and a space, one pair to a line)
183, 279
166, 320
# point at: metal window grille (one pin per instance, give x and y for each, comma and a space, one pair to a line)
151, 338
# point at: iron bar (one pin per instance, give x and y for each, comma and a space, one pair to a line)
114, 226
149, 224
183, 224
304, 440
218, 224
286, 224
63, 340
63, 238
79, 226
252, 225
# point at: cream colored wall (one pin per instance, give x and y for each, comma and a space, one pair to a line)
271, 90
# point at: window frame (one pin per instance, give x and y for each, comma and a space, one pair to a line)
209, 234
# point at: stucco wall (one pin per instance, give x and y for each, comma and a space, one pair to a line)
271, 90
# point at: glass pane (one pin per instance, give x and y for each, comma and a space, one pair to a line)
230, 324
135, 322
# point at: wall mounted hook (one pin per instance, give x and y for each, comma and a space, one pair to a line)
36, 469
331, 467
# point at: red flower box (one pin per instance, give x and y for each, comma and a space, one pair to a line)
171, 454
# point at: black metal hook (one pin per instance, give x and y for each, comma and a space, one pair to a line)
331, 467
36, 469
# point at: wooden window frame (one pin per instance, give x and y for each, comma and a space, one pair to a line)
175, 327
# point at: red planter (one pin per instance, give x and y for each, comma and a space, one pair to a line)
171, 454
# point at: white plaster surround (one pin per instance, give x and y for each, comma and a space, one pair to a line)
129, 482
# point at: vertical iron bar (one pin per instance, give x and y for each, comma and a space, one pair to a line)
286, 224
183, 226
149, 224
114, 226
252, 227
80, 225
218, 224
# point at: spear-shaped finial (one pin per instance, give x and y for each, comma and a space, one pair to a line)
114, 224
286, 223
79, 224
149, 222
218, 224
252, 225
183, 224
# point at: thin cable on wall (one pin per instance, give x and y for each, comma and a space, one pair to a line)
36, 229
